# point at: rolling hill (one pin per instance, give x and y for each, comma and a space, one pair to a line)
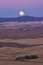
21, 19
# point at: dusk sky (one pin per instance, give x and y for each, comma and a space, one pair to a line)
10, 8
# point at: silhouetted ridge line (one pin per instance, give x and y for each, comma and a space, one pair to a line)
21, 19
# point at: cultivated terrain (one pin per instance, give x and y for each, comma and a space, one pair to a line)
20, 39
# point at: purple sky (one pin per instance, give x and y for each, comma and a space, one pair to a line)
10, 8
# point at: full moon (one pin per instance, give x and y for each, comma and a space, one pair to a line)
21, 13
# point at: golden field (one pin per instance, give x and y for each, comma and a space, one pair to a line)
9, 54
24, 41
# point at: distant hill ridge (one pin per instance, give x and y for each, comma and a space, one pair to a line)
21, 19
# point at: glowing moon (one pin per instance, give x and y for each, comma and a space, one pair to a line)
21, 13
